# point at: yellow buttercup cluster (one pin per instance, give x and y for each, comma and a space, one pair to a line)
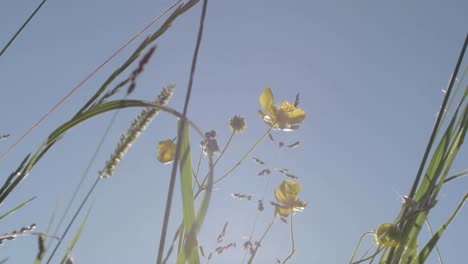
286, 195
285, 116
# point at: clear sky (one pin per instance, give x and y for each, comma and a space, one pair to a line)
370, 76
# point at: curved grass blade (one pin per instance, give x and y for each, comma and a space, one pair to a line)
60, 131
188, 203
456, 176
422, 256
12, 211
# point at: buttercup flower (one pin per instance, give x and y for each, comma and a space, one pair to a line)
237, 123
282, 117
167, 150
286, 195
387, 235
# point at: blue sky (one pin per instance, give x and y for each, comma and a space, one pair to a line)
370, 75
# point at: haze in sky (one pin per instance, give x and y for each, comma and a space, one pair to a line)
370, 75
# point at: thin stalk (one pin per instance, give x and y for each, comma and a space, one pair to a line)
261, 239
292, 240
225, 147
370, 257
257, 214
358, 245
22, 27
73, 218
244, 157
167, 212
439, 256
85, 172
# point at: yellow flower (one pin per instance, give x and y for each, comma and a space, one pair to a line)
282, 117
167, 151
286, 195
387, 235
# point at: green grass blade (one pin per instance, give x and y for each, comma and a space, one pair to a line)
13, 174
12, 211
436, 163
188, 203
193, 234
75, 237
461, 174
422, 256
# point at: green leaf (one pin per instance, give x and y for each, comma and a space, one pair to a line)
16, 208
188, 203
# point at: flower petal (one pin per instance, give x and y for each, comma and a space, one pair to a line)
287, 192
267, 101
166, 151
296, 116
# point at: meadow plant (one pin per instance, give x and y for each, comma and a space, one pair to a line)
395, 242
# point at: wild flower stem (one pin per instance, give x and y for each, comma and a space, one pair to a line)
244, 157
225, 147
261, 239
292, 240
358, 245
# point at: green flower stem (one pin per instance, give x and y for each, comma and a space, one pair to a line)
200, 187
358, 245
371, 257
225, 147
261, 239
244, 157
292, 241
